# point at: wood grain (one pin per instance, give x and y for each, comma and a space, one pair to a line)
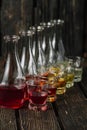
72, 110
32, 120
7, 119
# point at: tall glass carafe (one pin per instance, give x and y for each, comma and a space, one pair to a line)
24, 49
44, 45
54, 35
33, 41
41, 61
31, 65
51, 55
12, 80
59, 38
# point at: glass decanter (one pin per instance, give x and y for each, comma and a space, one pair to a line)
69, 72
24, 51
12, 82
44, 45
60, 48
51, 55
33, 42
41, 61
31, 70
53, 24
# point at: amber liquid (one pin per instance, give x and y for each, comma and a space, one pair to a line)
51, 87
12, 97
61, 86
52, 94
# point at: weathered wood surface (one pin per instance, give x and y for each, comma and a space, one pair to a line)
39, 120
72, 110
73, 116
7, 119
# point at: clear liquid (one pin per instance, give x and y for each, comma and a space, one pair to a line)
78, 74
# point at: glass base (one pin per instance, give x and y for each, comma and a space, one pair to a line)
77, 79
69, 85
35, 107
61, 91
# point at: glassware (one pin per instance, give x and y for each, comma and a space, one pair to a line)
59, 38
12, 84
31, 69
49, 77
44, 45
69, 72
60, 80
78, 68
51, 55
37, 92
51, 89
41, 61
54, 35
33, 42
24, 53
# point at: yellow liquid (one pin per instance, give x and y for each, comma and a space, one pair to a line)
69, 80
61, 86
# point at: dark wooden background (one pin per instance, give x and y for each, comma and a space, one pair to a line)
17, 14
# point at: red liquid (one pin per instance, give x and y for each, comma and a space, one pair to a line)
11, 96
37, 95
52, 91
38, 98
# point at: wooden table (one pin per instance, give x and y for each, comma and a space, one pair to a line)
69, 112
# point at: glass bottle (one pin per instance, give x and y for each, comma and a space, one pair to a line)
24, 52
53, 24
12, 83
34, 45
31, 70
69, 73
51, 58
41, 61
43, 25
60, 48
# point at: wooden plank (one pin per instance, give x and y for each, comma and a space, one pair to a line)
36, 120
73, 116
72, 95
7, 119
72, 110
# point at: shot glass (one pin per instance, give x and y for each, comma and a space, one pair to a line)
37, 94
69, 73
52, 91
60, 82
78, 68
